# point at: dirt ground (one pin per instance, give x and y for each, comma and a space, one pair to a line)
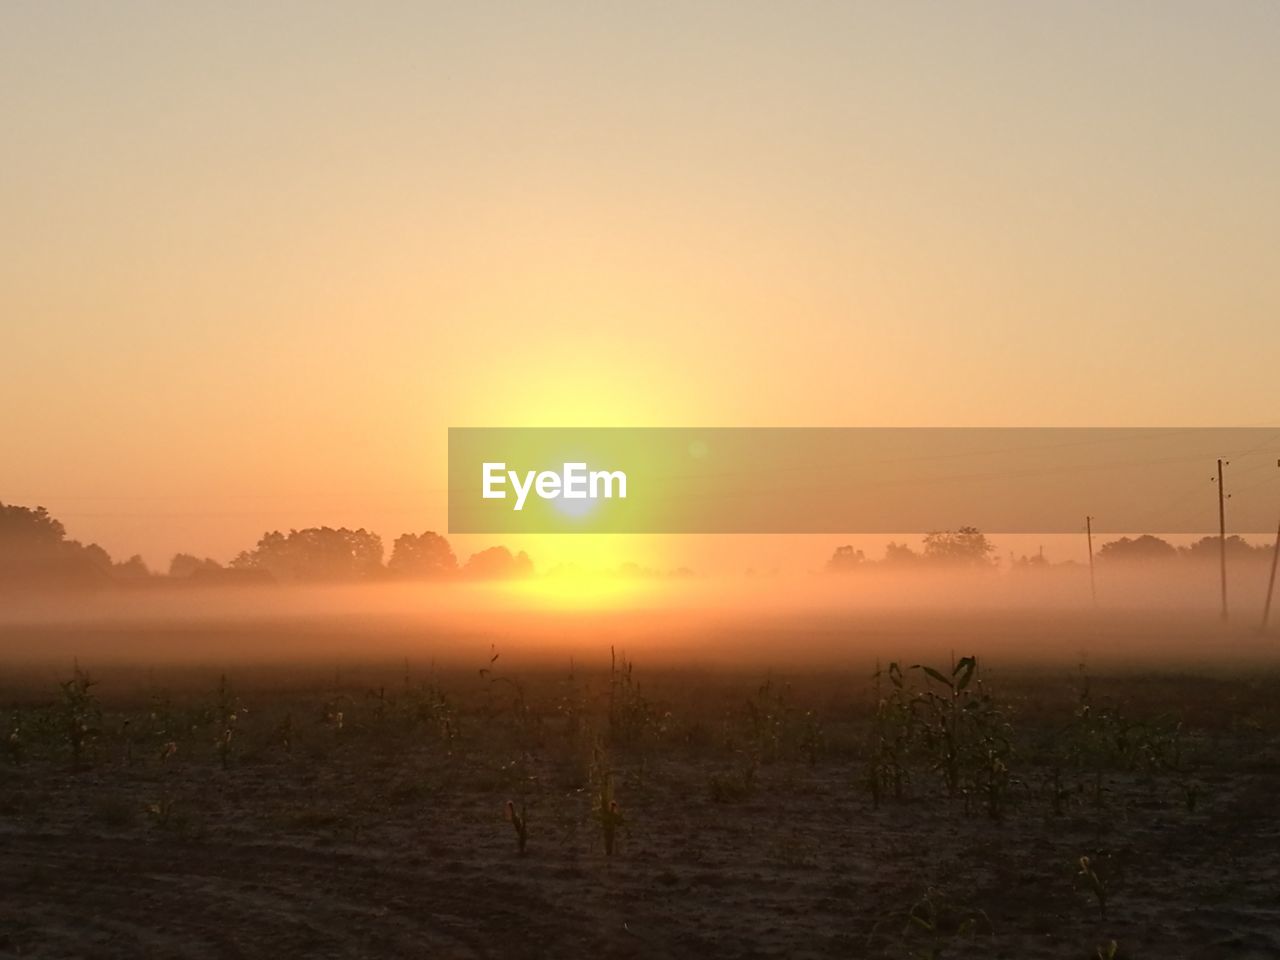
362, 814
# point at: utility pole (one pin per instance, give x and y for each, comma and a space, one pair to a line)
1271, 583
1088, 532
1222, 536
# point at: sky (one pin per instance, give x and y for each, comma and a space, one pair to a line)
256, 259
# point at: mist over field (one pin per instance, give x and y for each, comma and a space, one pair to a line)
326, 595
1144, 615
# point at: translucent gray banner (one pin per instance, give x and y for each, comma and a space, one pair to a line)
861, 480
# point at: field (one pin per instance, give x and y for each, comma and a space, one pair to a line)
604, 807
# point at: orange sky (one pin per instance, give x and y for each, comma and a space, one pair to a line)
253, 263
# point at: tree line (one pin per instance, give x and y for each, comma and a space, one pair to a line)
34, 545
969, 547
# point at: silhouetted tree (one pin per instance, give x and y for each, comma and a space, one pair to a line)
498, 563
1143, 549
27, 531
134, 568
34, 543
1238, 548
845, 559
185, 565
316, 553
899, 554
93, 554
964, 547
422, 555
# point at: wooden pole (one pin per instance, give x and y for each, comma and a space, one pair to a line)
1222, 538
1093, 585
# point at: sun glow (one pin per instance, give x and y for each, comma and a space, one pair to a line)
570, 589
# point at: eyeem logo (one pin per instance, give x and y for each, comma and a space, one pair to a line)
574, 482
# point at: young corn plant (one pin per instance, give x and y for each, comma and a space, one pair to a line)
226, 709
893, 735
630, 717
126, 734
1163, 750
767, 722
966, 736
80, 714
777, 730
164, 724
943, 719
334, 715
424, 705
520, 823
577, 737
521, 776
525, 722
571, 707
1102, 739
607, 811
811, 737
992, 750
610, 818
1099, 877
